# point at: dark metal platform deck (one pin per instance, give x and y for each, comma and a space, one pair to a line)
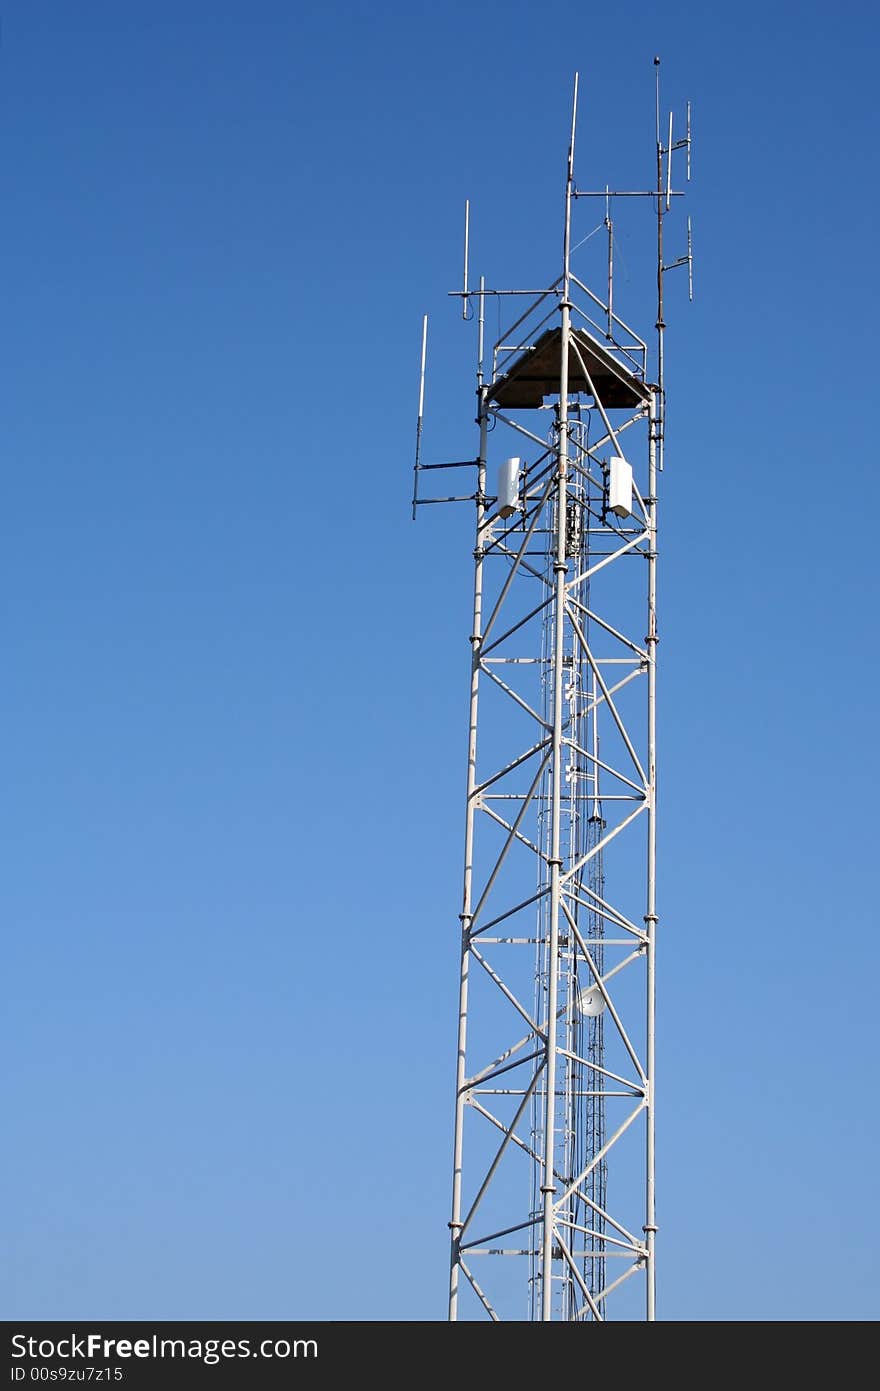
535, 374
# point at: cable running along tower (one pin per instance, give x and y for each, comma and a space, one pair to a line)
553, 1214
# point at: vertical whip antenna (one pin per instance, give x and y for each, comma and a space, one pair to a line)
669, 166
610, 225
464, 293
574, 115
569, 186
418, 463
660, 324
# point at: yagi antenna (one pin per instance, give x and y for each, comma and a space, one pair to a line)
685, 144
418, 463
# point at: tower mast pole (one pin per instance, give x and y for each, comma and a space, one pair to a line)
560, 568
656, 429
651, 894
467, 890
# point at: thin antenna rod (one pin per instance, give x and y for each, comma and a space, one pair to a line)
669, 166
464, 301
688, 143
610, 225
660, 325
574, 115
418, 463
690, 264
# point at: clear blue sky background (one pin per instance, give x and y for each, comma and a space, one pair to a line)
234, 676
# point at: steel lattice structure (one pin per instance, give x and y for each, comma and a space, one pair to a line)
554, 1117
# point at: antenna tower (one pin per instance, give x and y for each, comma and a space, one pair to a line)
553, 1210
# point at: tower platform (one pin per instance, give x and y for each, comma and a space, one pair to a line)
534, 374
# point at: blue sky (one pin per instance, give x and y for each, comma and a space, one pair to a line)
235, 674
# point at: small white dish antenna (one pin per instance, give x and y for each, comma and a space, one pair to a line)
591, 1002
